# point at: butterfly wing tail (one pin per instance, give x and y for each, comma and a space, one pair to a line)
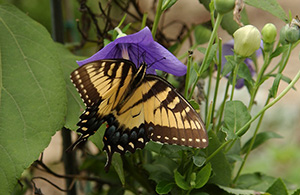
78, 141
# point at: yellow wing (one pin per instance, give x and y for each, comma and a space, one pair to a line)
102, 85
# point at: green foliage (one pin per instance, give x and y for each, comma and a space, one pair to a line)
33, 96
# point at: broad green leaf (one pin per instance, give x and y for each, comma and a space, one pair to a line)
220, 166
278, 188
238, 191
203, 176
260, 139
278, 51
236, 115
164, 187
270, 6
33, 93
230, 135
180, 181
202, 34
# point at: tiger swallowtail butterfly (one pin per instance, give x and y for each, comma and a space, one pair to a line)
136, 106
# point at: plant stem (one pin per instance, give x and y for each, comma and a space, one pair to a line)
219, 66
187, 77
207, 52
157, 18
223, 106
241, 131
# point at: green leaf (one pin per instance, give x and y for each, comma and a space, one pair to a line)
274, 88
296, 192
203, 176
164, 187
238, 191
180, 181
245, 73
278, 51
220, 166
278, 188
202, 34
199, 161
230, 135
195, 105
32, 93
228, 66
260, 139
167, 4
118, 165
270, 6
255, 181
236, 115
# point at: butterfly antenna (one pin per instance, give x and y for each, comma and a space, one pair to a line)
149, 65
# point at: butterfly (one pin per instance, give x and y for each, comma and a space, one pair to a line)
137, 107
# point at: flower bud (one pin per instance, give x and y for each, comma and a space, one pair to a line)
269, 33
246, 40
282, 39
292, 34
224, 6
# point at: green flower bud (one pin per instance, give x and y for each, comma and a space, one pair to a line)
282, 39
292, 34
224, 6
246, 40
269, 33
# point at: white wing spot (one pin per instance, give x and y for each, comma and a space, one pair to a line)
183, 139
203, 140
158, 137
109, 148
198, 140
175, 138
81, 86
84, 128
131, 145
84, 121
141, 140
120, 148
166, 138
190, 139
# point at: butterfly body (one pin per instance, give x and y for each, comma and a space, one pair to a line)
136, 106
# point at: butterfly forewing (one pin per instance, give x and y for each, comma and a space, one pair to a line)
171, 117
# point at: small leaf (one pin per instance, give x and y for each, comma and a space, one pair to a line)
238, 191
256, 181
296, 192
195, 105
230, 135
245, 73
278, 188
118, 165
199, 161
271, 6
180, 181
202, 34
228, 66
274, 88
236, 115
278, 51
167, 4
203, 176
164, 187
260, 139
219, 163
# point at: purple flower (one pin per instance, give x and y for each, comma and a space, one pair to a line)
140, 47
227, 49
